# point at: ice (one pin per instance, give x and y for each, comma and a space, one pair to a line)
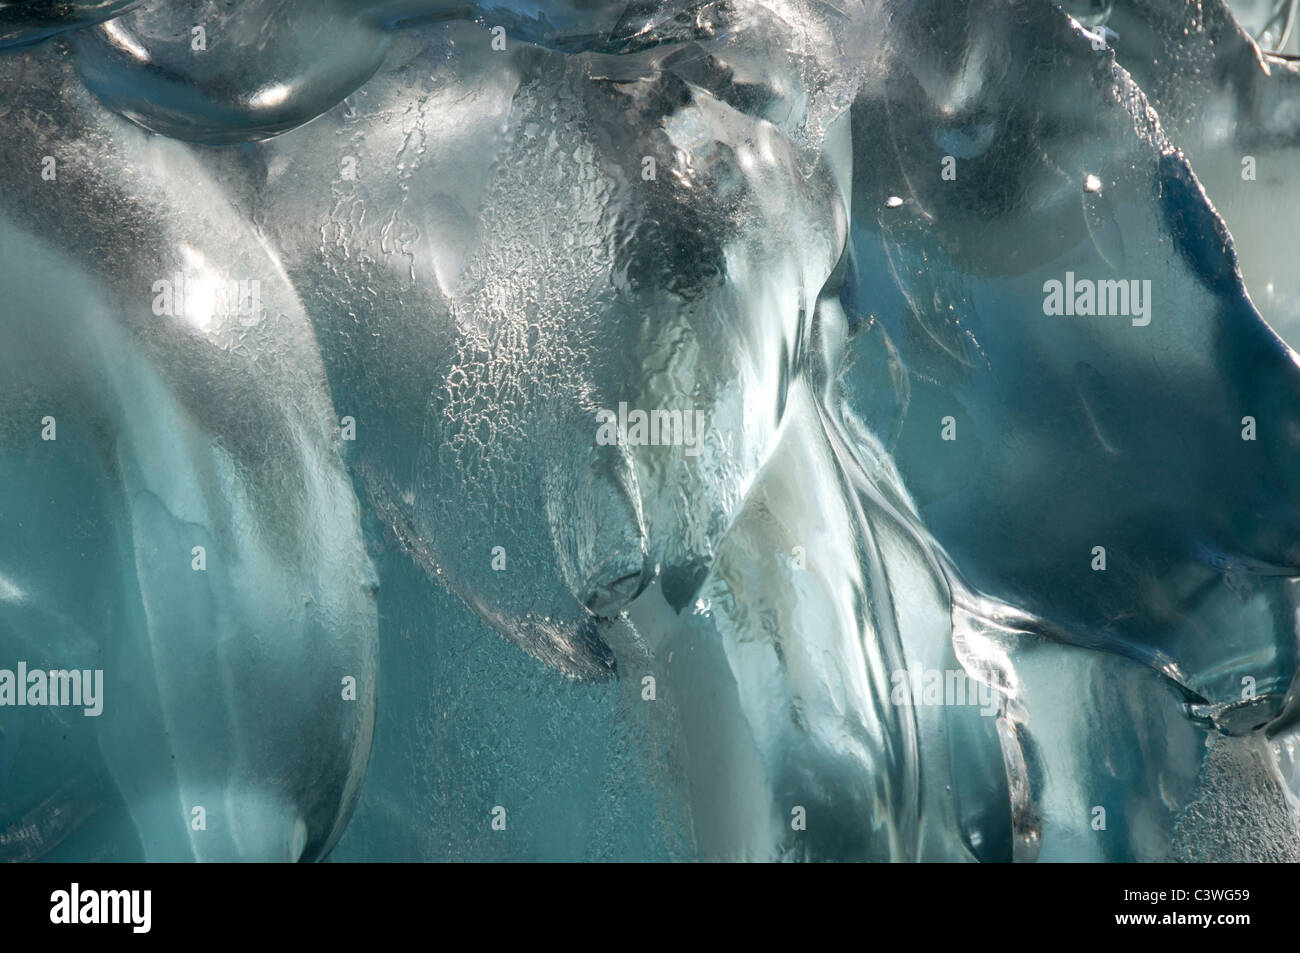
214, 72
467, 722
744, 336
1073, 432
1234, 112
210, 427
1121, 431
27, 22
350, 293
1271, 24
505, 345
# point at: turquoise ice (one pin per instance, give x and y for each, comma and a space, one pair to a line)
324, 306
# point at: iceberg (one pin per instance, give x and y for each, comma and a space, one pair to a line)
773, 430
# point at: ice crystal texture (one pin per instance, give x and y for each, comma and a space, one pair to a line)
723, 429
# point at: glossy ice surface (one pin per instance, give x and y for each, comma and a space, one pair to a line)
962, 522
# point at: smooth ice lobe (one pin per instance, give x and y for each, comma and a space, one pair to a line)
204, 539
210, 72
27, 22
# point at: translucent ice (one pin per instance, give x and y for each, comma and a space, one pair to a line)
1122, 472
174, 511
207, 71
26, 22
1235, 112
751, 363
500, 342
1100, 464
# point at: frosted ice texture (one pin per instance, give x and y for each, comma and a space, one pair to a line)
173, 432
463, 256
